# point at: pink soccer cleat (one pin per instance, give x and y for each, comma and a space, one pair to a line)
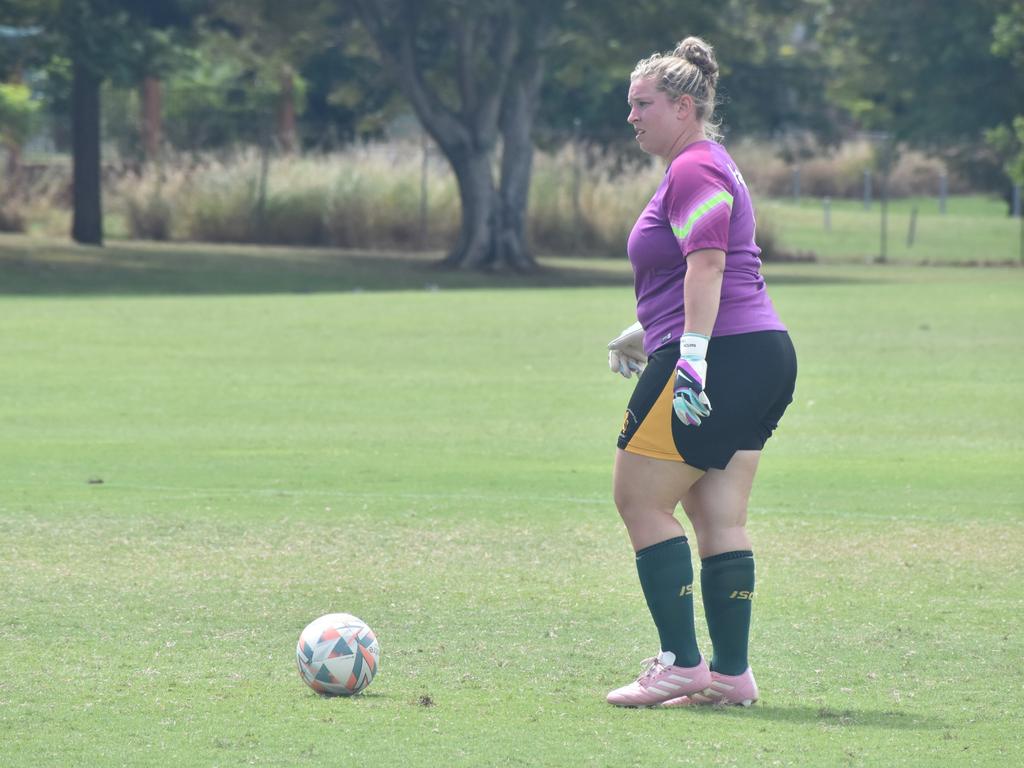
724, 691
661, 681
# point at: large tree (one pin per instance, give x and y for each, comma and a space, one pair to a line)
472, 70
99, 38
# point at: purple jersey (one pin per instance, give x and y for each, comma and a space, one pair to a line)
701, 203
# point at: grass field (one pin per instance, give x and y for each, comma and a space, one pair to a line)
191, 472
974, 229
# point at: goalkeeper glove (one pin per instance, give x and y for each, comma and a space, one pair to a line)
689, 400
626, 352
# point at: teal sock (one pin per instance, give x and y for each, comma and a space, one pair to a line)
727, 588
666, 576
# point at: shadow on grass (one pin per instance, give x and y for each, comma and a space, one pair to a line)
38, 267
829, 717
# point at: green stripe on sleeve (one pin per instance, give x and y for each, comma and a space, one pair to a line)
703, 208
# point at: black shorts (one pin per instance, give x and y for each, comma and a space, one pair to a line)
751, 377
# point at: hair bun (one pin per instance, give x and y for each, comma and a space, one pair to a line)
701, 55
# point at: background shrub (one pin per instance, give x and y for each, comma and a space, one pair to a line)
12, 219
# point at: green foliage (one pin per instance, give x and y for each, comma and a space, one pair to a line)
26, 13
23, 43
271, 33
1008, 43
220, 98
925, 74
119, 38
928, 83
18, 112
1008, 35
597, 48
772, 74
1008, 144
348, 97
119, 41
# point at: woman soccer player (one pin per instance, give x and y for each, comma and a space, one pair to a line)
720, 372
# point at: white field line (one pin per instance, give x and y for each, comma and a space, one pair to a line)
172, 493
300, 492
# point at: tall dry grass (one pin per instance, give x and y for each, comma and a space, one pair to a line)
366, 196
35, 195
385, 195
374, 196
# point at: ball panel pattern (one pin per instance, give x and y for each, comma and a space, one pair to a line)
337, 654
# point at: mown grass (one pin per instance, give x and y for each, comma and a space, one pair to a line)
189, 477
973, 230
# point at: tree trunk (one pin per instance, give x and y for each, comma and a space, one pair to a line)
286, 133
480, 207
495, 49
517, 117
493, 234
513, 198
13, 147
87, 222
151, 109
14, 175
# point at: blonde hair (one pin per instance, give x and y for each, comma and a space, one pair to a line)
690, 69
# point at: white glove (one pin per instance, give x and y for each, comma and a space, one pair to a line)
626, 352
689, 400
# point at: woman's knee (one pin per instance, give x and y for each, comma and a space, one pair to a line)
648, 524
712, 524
640, 514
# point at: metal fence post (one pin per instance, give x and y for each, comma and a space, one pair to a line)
424, 169
1017, 214
577, 178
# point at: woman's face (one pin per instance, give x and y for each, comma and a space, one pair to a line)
659, 123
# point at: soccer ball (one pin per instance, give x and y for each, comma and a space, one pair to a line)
338, 655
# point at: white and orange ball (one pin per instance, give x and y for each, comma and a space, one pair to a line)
338, 655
